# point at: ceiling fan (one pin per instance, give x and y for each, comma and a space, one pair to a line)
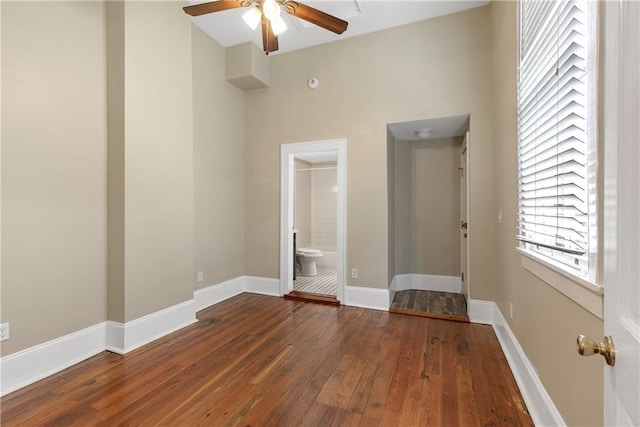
267, 12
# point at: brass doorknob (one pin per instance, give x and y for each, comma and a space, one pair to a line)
588, 347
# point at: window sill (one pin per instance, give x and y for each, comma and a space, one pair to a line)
586, 294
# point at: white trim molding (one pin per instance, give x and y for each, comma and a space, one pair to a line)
541, 408
123, 338
427, 282
33, 364
211, 295
114, 337
482, 311
355, 296
262, 285
38, 362
373, 298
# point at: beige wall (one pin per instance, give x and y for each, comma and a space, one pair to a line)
545, 322
403, 208
218, 144
435, 188
433, 68
53, 169
159, 215
1, 174
427, 207
150, 158
115, 160
59, 91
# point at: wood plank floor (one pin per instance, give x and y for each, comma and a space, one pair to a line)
312, 297
438, 305
259, 360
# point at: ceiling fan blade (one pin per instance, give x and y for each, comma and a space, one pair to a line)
269, 40
213, 6
316, 16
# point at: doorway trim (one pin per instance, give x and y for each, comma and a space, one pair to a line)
465, 149
287, 154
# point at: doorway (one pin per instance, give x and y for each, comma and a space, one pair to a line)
307, 272
428, 174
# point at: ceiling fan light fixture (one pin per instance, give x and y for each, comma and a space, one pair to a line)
252, 17
271, 10
268, 13
278, 25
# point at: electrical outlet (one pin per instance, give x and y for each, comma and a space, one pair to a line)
499, 217
511, 310
354, 273
4, 331
200, 276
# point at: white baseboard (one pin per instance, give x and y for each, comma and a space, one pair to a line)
214, 294
115, 337
482, 311
38, 362
262, 285
428, 282
123, 338
540, 406
373, 298
35, 363
219, 292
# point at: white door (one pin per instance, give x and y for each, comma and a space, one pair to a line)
464, 231
622, 211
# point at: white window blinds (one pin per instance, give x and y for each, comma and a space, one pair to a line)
554, 111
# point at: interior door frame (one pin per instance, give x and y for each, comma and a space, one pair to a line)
465, 257
287, 175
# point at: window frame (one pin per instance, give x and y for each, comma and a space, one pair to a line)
585, 291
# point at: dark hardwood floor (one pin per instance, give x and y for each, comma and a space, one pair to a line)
259, 360
312, 297
438, 305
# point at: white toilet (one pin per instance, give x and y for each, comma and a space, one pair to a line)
307, 258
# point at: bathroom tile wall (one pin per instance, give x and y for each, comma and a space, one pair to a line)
323, 206
302, 203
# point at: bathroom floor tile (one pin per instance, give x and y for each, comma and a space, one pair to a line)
324, 283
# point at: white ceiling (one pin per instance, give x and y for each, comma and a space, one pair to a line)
443, 127
364, 16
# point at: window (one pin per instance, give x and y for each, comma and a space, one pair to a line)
556, 133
